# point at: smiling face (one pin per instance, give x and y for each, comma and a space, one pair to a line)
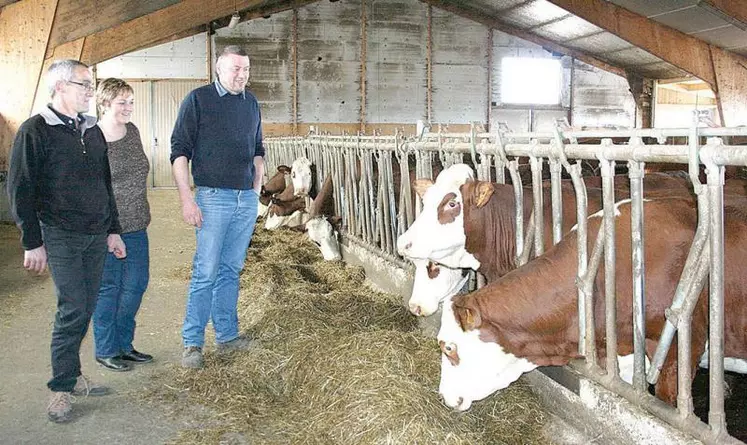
120, 109
233, 72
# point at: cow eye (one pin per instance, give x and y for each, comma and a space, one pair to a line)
452, 203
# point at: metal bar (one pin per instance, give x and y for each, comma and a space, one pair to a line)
608, 192
538, 205
513, 169
716, 416
556, 200
635, 172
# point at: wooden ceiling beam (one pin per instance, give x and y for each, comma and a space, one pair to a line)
146, 30
725, 72
681, 50
80, 18
479, 16
6, 2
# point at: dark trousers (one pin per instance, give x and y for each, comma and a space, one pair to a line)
76, 261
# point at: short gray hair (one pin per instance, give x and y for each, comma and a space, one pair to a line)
61, 70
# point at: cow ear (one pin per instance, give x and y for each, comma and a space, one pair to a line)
482, 192
421, 186
467, 318
336, 222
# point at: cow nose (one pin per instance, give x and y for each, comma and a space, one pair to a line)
406, 248
415, 309
459, 402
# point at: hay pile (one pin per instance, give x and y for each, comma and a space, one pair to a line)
334, 363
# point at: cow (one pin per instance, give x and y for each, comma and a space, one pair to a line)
432, 284
286, 209
530, 314
323, 224
452, 231
274, 185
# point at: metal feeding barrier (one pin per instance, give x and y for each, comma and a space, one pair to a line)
372, 183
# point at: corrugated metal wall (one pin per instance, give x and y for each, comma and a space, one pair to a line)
601, 99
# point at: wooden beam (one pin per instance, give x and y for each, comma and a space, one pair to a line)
80, 18
731, 94
736, 9
24, 33
476, 15
156, 26
6, 2
679, 49
264, 11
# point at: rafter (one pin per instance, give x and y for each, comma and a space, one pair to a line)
80, 18
147, 30
681, 50
478, 16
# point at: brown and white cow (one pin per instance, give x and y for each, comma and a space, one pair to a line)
452, 231
531, 312
323, 223
286, 209
274, 185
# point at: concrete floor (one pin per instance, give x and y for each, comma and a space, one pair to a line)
27, 308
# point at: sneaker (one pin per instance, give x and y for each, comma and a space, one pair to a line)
240, 343
85, 387
192, 357
60, 407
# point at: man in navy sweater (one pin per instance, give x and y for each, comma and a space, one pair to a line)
61, 197
218, 129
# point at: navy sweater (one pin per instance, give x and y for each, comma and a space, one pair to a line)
60, 177
221, 135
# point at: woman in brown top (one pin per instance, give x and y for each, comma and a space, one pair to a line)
124, 280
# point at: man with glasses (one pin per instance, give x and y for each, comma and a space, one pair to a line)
61, 197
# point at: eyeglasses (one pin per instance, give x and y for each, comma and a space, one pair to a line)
86, 85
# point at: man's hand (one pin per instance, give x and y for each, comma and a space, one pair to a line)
116, 245
35, 260
191, 212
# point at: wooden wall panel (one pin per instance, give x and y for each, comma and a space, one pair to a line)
24, 32
731, 78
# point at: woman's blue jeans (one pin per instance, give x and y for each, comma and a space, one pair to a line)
228, 218
122, 287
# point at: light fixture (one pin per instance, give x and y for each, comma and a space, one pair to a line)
234, 20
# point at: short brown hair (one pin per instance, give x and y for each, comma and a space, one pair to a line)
108, 90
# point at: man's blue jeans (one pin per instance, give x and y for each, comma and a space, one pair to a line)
122, 287
228, 218
75, 262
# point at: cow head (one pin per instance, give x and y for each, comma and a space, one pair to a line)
301, 176
289, 214
472, 369
433, 283
438, 232
323, 234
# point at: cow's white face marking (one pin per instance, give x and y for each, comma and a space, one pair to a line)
438, 232
433, 283
301, 176
472, 369
295, 219
320, 231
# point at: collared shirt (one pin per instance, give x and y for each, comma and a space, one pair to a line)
222, 91
68, 121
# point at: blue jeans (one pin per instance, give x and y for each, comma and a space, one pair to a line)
122, 287
75, 261
228, 218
